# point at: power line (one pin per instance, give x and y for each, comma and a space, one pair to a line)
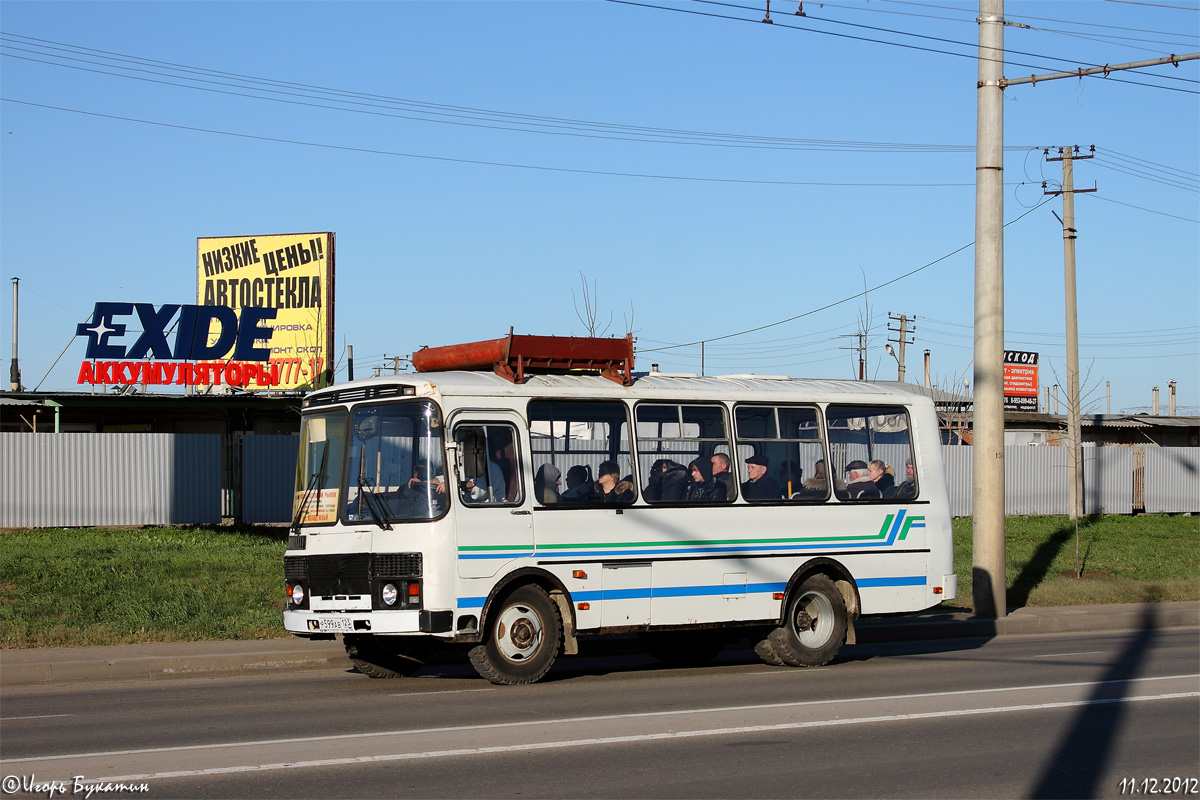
973, 56
1141, 208
423, 111
843, 300
476, 162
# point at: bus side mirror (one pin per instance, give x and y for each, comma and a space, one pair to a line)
472, 454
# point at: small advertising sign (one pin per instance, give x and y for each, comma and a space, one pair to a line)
1020, 381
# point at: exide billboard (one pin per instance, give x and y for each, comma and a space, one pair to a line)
201, 334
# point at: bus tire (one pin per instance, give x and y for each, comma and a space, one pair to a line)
384, 656
682, 648
521, 639
766, 651
815, 627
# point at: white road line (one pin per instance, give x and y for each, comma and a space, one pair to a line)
448, 691
807, 703
1064, 655
647, 737
39, 716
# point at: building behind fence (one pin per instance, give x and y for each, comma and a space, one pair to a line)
106, 479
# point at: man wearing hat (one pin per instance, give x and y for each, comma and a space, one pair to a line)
860, 487
760, 486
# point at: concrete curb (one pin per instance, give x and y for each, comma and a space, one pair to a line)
47, 666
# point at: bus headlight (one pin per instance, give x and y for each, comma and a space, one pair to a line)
297, 593
389, 594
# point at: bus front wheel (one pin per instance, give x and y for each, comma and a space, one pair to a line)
815, 627
522, 638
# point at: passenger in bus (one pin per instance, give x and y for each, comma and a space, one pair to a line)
546, 483
761, 486
860, 486
908, 488
885, 480
504, 453
703, 486
579, 484
721, 473
818, 484
668, 481
609, 486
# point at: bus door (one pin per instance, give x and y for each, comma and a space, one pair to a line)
492, 517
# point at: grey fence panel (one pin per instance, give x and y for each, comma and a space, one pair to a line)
1035, 480
53, 480
1107, 480
1172, 480
959, 469
268, 477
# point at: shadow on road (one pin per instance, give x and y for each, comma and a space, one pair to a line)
1075, 769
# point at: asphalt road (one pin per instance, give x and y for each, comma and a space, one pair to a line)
1068, 715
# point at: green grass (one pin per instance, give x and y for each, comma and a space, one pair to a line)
1123, 559
97, 586
61, 588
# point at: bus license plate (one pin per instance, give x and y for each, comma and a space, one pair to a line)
338, 624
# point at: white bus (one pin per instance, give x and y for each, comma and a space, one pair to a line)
513, 518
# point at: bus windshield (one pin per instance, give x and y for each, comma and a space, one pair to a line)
396, 468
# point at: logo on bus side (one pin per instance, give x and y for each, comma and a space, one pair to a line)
898, 525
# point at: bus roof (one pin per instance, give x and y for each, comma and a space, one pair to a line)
662, 386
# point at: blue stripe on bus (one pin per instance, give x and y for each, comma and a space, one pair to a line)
701, 591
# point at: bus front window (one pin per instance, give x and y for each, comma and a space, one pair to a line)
396, 471
315, 500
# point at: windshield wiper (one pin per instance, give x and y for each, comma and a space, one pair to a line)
313, 482
365, 490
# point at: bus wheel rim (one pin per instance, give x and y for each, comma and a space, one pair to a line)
813, 619
519, 633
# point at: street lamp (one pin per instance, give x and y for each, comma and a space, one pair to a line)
892, 352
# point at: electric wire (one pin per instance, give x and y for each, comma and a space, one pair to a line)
1143, 208
844, 299
974, 56
478, 162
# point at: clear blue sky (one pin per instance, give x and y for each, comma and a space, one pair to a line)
478, 156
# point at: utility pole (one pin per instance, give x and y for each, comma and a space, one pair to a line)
903, 332
860, 347
1067, 155
14, 370
350, 362
987, 489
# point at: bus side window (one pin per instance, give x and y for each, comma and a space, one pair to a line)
490, 469
571, 440
673, 437
788, 439
870, 447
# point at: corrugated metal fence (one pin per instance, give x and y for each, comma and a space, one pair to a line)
99, 479
49, 480
1035, 480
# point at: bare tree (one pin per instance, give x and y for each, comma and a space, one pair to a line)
591, 307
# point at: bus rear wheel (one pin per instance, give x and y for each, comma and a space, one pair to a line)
815, 627
385, 656
522, 639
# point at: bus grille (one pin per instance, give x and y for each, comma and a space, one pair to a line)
349, 574
396, 565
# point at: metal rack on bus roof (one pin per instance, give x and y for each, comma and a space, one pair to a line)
515, 357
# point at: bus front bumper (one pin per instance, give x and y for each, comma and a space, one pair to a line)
422, 621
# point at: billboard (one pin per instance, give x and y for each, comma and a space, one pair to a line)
290, 273
1020, 381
